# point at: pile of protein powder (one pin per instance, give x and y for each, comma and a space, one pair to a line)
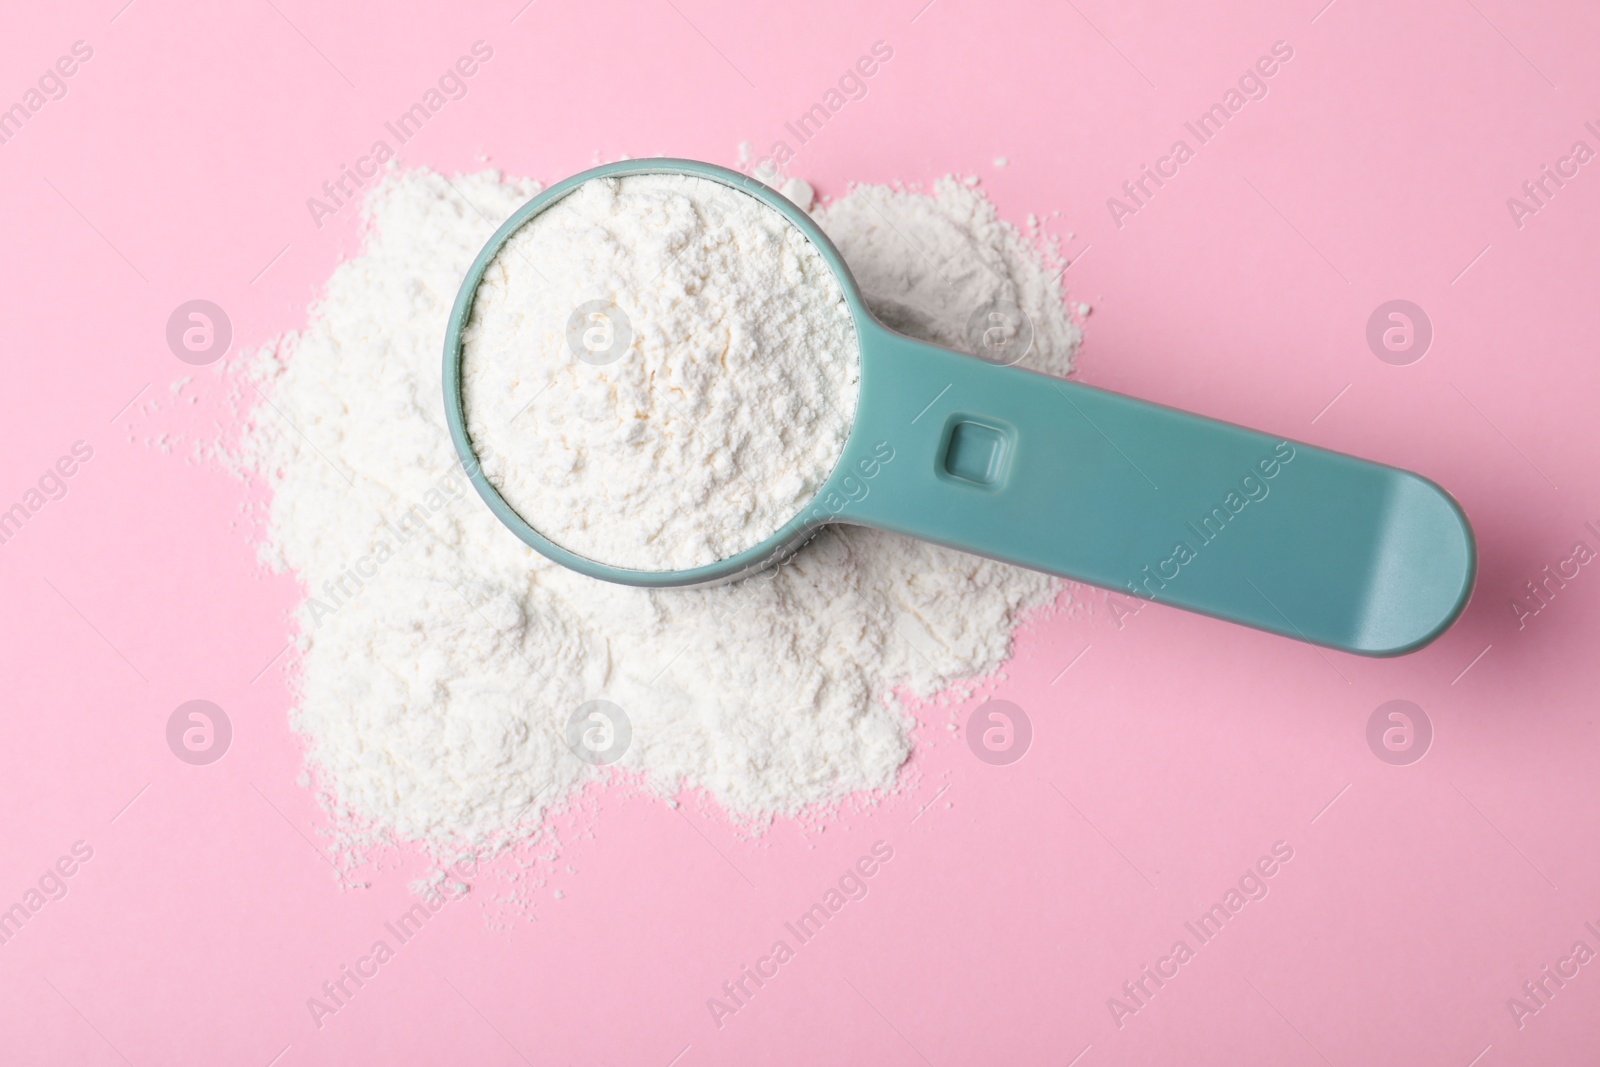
447, 677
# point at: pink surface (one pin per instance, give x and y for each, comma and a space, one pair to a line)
1173, 753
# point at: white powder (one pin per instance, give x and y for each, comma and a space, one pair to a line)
714, 393
440, 659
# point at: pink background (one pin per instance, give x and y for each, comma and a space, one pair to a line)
1170, 756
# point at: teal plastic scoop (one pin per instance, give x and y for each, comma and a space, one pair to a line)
1082, 483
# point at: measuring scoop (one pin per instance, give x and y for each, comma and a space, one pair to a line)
1079, 482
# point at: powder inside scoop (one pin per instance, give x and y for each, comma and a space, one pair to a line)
659, 371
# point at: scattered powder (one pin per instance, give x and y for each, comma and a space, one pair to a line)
439, 659
701, 398
799, 190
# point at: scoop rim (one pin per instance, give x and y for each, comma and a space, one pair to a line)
762, 556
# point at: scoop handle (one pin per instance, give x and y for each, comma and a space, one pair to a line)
1150, 501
